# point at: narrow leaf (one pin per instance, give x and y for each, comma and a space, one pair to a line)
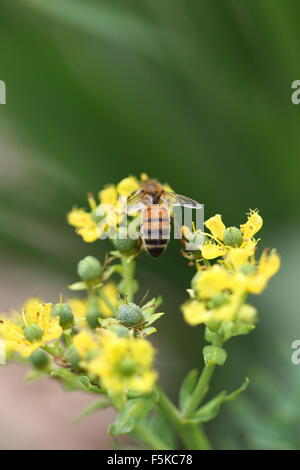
187, 387
92, 408
133, 412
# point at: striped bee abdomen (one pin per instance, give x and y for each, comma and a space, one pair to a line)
155, 229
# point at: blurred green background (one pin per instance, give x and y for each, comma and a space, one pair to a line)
195, 93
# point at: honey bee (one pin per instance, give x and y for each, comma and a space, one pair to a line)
155, 205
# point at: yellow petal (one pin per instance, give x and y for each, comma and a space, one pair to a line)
128, 186
252, 226
211, 250
79, 218
109, 195
84, 342
269, 264
239, 256
216, 226
89, 234
195, 312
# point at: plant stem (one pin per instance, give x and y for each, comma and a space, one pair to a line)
146, 434
202, 386
128, 277
108, 302
192, 435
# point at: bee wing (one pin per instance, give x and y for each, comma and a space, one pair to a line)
179, 200
135, 202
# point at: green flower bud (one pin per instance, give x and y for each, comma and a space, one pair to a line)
219, 300
233, 236
130, 314
124, 244
89, 268
127, 366
247, 269
213, 325
214, 355
39, 359
65, 314
247, 314
73, 357
119, 330
93, 315
33, 333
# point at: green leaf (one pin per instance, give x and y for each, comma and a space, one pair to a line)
68, 379
84, 380
92, 408
78, 286
235, 394
214, 355
133, 412
33, 375
118, 399
210, 410
152, 318
187, 387
149, 330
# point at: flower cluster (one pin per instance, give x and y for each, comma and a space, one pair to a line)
219, 290
97, 336
98, 342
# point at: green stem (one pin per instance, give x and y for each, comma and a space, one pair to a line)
192, 435
49, 350
108, 302
202, 386
128, 277
146, 435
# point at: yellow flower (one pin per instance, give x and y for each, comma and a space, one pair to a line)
195, 312
79, 308
127, 186
124, 364
35, 314
111, 292
85, 342
85, 225
213, 281
216, 226
252, 226
236, 255
109, 195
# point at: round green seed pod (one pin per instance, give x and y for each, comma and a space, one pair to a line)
130, 314
93, 315
33, 333
233, 236
39, 359
65, 314
218, 300
127, 366
73, 357
89, 268
124, 244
